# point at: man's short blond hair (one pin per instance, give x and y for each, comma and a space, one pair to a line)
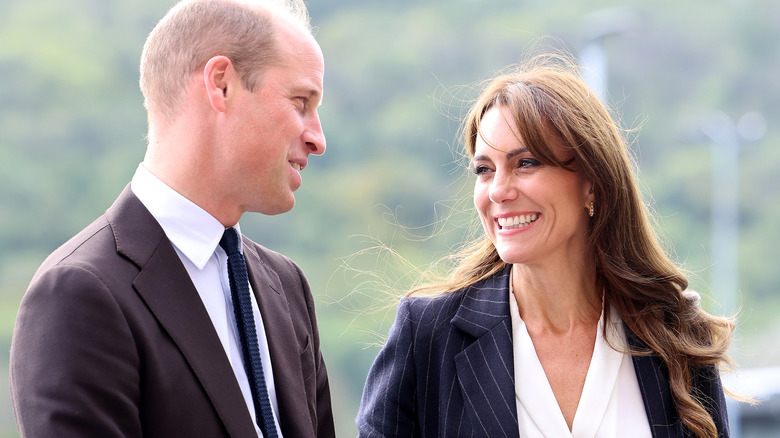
194, 31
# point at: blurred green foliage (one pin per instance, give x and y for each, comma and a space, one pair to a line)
398, 75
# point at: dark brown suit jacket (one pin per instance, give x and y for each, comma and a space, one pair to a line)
112, 340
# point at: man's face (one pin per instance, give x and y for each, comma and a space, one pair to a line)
277, 126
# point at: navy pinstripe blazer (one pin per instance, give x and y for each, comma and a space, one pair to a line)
447, 371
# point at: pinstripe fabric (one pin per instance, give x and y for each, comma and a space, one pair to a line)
447, 371
659, 406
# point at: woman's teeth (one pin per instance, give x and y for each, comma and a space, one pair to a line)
517, 221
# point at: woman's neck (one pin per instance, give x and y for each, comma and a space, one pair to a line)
559, 300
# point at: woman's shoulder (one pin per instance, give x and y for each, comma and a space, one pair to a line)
422, 307
491, 290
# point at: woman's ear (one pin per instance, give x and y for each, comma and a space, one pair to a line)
589, 196
217, 75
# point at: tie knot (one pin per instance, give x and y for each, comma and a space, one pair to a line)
229, 241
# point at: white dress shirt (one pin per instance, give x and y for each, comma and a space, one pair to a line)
611, 403
195, 235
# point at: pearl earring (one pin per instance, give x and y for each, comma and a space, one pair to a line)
590, 210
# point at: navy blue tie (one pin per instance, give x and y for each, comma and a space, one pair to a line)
242, 305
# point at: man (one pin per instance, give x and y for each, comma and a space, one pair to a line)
129, 329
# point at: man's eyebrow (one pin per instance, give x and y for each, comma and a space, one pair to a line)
312, 93
308, 91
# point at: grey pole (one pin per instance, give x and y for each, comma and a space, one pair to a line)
725, 137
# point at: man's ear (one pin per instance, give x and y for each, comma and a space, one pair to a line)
217, 75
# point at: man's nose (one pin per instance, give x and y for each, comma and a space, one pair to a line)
314, 137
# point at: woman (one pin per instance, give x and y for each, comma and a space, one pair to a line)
566, 318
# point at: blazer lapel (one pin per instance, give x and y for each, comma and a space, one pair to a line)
283, 346
654, 385
166, 288
486, 367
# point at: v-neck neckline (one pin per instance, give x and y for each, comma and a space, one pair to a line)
534, 393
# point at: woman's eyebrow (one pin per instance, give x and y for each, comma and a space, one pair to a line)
515, 152
509, 155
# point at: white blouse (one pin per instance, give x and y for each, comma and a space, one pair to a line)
610, 405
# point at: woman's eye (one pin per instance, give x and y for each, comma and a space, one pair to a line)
528, 162
481, 170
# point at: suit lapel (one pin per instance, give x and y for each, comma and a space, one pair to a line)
283, 346
166, 288
486, 367
654, 385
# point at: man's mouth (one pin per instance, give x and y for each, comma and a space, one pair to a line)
520, 221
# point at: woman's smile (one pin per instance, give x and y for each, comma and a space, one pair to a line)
519, 221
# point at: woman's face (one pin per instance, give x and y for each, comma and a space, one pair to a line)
533, 213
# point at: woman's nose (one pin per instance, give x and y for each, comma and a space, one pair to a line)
502, 189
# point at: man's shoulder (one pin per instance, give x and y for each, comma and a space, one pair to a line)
268, 256
97, 240
87, 262
94, 241
103, 249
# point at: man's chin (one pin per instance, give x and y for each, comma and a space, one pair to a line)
276, 208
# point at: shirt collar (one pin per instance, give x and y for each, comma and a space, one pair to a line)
191, 229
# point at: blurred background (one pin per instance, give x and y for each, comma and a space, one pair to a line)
699, 77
